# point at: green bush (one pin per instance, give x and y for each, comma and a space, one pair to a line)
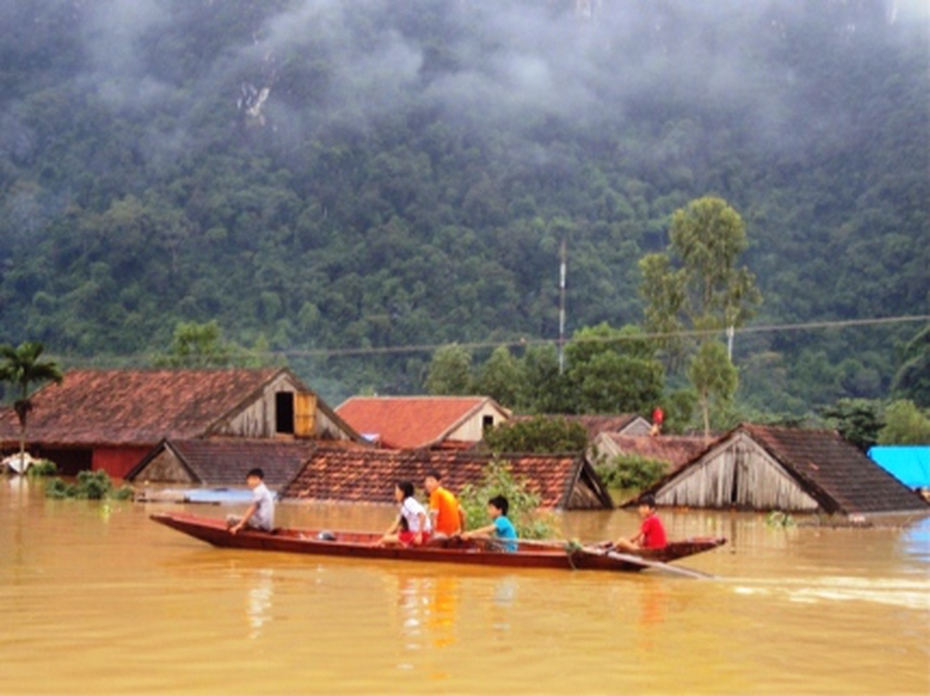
90, 485
540, 435
42, 467
524, 504
631, 471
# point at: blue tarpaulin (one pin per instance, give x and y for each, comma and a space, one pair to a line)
910, 464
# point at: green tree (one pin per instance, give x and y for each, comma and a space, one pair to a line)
696, 283
197, 345
450, 371
857, 420
544, 390
540, 434
714, 379
613, 370
501, 377
905, 424
912, 379
22, 369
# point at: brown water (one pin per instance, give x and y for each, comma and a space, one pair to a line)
97, 599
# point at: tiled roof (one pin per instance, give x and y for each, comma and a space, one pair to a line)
225, 461
369, 475
593, 424
408, 422
836, 473
122, 407
677, 450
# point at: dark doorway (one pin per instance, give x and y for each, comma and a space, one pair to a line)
284, 412
68, 461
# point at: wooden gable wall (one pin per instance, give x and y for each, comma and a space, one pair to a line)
258, 418
165, 467
737, 473
472, 429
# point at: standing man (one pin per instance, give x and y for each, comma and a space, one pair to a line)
260, 514
445, 513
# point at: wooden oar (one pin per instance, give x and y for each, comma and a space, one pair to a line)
645, 563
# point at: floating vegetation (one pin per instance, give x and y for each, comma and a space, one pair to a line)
777, 518
42, 467
90, 485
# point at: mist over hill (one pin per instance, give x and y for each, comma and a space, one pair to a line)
326, 175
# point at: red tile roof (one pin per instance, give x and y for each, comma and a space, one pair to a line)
674, 449
123, 407
408, 422
594, 424
369, 475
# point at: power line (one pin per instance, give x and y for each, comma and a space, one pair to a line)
763, 328
143, 359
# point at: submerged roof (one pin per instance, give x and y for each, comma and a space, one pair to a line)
409, 422
835, 473
124, 407
594, 424
910, 464
369, 475
677, 450
225, 461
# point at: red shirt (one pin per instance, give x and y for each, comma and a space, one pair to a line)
653, 533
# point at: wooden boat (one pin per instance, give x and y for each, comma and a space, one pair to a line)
529, 554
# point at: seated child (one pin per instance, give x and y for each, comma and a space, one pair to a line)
412, 525
651, 532
260, 514
500, 528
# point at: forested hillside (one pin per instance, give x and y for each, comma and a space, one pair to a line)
323, 175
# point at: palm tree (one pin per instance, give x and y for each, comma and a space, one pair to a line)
22, 369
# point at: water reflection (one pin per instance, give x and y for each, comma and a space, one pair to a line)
427, 606
259, 601
916, 541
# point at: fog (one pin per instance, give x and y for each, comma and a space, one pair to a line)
483, 64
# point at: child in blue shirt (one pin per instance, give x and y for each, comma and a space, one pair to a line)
501, 527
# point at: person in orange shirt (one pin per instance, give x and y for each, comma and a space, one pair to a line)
446, 514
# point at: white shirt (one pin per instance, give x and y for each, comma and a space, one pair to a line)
411, 511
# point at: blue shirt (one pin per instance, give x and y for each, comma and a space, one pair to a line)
503, 529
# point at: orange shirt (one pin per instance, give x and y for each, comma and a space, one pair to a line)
447, 511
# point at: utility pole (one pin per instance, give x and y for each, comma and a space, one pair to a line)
563, 254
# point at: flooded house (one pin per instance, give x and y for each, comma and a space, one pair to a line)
674, 450
417, 422
566, 482
755, 467
629, 424
110, 420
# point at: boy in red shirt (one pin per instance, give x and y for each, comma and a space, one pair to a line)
651, 532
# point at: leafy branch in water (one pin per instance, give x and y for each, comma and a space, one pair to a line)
498, 479
42, 467
631, 471
90, 485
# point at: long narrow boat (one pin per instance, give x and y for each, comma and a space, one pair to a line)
529, 554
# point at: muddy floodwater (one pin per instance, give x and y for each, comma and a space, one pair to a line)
97, 599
